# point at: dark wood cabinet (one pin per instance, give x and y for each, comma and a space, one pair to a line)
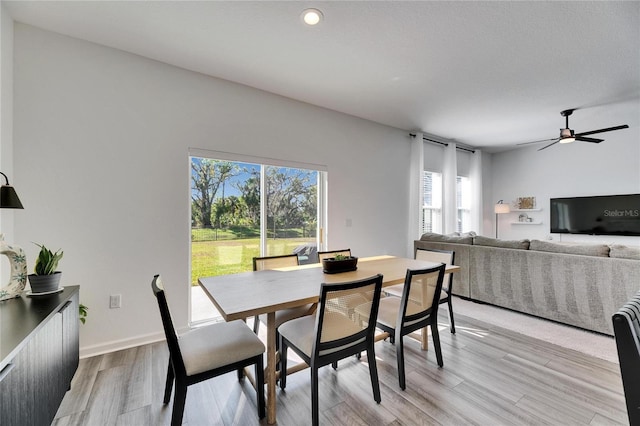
40, 350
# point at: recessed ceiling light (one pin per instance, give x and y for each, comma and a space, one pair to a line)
311, 16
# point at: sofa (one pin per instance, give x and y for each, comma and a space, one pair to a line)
582, 285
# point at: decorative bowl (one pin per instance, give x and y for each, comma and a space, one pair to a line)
331, 265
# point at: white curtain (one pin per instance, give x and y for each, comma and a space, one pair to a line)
416, 166
449, 175
475, 176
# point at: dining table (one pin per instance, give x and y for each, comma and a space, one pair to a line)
244, 295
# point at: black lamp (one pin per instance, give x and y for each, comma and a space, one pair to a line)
8, 197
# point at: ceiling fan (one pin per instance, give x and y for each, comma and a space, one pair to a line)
567, 135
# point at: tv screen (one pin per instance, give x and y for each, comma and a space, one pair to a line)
601, 215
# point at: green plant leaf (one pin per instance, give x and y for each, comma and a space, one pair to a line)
47, 261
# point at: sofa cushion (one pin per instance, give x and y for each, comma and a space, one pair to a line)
624, 252
580, 249
494, 242
429, 236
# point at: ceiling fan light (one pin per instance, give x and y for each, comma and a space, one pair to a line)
567, 136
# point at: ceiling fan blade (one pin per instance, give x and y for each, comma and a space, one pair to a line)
542, 140
583, 139
608, 129
545, 147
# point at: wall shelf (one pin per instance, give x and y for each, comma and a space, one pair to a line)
526, 223
526, 210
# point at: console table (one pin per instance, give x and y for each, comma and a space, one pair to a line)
39, 353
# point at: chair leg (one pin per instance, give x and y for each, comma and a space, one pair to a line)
260, 386
373, 372
315, 414
400, 360
179, 400
435, 335
283, 363
453, 324
240, 373
169, 384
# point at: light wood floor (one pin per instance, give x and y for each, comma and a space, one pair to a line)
491, 376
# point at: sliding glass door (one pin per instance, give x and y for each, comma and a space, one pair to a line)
241, 210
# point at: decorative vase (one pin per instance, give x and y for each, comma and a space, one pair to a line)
331, 265
45, 283
18, 263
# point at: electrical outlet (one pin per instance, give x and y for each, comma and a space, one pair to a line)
115, 301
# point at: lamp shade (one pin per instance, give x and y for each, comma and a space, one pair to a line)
8, 197
501, 208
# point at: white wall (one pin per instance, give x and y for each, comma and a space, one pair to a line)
572, 170
6, 130
101, 154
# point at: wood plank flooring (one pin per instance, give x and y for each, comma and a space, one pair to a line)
491, 376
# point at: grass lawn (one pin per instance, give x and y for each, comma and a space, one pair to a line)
211, 258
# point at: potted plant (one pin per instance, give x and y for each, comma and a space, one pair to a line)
45, 278
82, 313
339, 263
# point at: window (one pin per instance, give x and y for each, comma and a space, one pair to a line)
463, 203
432, 205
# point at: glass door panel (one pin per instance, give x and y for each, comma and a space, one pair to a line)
242, 210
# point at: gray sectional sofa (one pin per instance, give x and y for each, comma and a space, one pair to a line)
580, 285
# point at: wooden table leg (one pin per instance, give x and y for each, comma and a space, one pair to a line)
424, 339
271, 368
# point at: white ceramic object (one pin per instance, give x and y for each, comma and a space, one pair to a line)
18, 262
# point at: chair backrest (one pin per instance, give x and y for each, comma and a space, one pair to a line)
626, 327
272, 262
333, 253
433, 255
167, 323
337, 332
420, 298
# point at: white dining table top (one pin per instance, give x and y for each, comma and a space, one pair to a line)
243, 295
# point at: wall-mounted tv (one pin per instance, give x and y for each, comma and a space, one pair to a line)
600, 215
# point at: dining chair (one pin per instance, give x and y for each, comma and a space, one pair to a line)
417, 308
349, 304
332, 253
446, 296
330, 335
447, 257
206, 352
283, 315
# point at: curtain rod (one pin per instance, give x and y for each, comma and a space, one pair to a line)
424, 138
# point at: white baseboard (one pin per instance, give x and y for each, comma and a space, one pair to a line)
118, 345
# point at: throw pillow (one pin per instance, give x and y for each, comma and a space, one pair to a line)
429, 236
600, 250
493, 242
624, 252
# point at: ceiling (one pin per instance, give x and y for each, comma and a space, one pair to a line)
484, 74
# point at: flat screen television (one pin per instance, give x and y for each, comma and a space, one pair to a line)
600, 215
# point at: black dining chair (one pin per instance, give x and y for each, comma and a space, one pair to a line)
416, 309
206, 352
331, 335
446, 296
